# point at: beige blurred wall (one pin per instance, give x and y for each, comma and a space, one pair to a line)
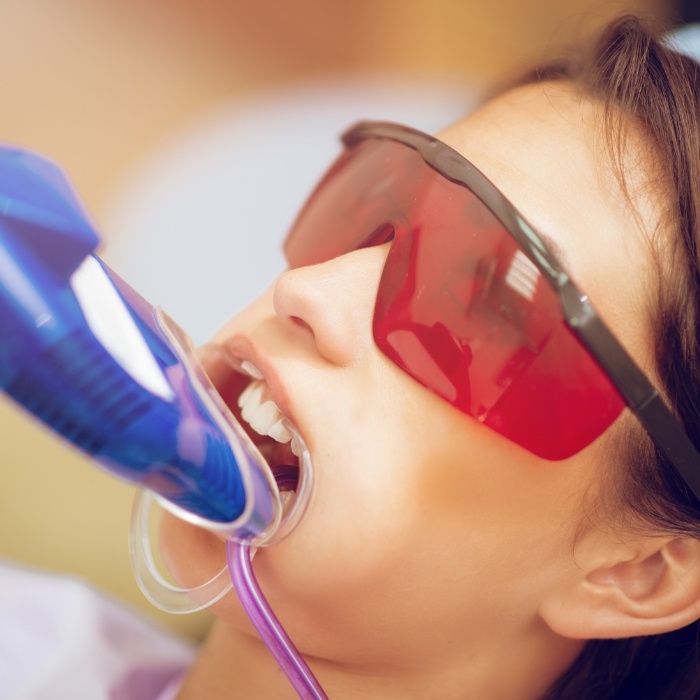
98, 84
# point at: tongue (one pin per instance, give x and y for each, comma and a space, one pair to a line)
286, 476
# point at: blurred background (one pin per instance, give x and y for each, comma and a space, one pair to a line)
192, 131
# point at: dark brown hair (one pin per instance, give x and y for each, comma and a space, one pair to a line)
640, 80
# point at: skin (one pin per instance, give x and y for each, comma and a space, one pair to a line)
435, 553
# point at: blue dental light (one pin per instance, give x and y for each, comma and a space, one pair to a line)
112, 374
94, 361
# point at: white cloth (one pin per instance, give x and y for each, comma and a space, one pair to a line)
62, 640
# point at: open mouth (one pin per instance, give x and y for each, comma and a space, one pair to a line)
269, 429
245, 392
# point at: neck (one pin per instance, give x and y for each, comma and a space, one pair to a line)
233, 664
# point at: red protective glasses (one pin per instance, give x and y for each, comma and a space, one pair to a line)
472, 304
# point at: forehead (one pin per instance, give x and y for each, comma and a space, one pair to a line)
544, 148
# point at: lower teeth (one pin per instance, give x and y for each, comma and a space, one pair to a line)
287, 498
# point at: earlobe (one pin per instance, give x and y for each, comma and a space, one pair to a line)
654, 589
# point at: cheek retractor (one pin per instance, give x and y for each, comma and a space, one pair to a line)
117, 378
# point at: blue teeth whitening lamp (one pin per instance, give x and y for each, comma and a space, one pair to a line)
94, 361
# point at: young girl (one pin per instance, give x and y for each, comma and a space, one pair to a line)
489, 520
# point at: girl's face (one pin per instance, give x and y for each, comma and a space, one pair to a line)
428, 535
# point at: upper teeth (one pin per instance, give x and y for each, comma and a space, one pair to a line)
251, 370
262, 413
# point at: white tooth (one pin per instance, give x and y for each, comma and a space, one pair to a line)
295, 447
266, 415
250, 398
279, 432
261, 413
250, 369
287, 497
245, 394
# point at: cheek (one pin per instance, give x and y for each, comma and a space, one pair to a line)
349, 555
422, 523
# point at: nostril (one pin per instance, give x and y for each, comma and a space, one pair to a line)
298, 321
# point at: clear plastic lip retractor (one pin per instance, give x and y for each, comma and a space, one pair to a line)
91, 359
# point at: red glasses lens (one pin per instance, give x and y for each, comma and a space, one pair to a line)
460, 307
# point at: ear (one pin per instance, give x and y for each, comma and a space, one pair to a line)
649, 585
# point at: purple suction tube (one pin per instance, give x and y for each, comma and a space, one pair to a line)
239, 557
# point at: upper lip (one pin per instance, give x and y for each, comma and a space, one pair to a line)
243, 348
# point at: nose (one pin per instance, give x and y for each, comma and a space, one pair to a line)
333, 302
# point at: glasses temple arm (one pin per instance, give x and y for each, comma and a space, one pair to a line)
640, 395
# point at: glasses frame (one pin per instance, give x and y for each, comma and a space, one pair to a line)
640, 395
